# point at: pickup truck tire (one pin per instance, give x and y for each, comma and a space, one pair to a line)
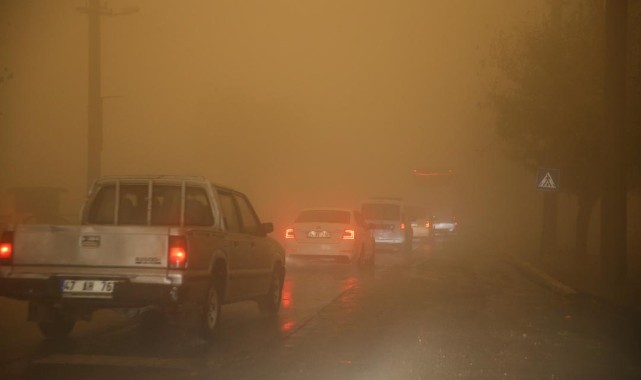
270, 303
59, 326
211, 311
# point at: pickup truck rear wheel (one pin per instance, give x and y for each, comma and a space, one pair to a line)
58, 326
211, 311
270, 303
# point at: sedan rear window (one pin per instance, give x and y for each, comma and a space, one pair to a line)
381, 211
323, 216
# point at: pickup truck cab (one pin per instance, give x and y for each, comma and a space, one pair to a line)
176, 243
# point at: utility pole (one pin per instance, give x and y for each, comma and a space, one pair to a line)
94, 112
94, 131
614, 202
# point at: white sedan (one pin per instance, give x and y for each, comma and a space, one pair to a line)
330, 233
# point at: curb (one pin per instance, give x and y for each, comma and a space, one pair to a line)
541, 277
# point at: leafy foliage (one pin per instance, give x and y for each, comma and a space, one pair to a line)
549, 108
550, 103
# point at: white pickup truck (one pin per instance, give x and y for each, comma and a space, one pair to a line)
176, 243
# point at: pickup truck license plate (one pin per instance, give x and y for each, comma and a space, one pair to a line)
87, 288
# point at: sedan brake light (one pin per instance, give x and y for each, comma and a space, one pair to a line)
349, 234
289, 234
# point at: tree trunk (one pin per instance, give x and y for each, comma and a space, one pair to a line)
549, 228
613, 205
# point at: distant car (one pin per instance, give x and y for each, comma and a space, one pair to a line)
390, 224
330, 233
444, 226
420, 221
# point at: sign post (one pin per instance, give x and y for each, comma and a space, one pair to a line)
548, 181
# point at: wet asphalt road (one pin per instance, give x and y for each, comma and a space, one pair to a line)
455, 310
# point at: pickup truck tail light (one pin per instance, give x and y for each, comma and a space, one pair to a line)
349, 234
177, 252
6, 247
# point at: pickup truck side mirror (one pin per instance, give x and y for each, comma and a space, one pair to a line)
267, 228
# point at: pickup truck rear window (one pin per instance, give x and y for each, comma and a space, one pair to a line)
165, 207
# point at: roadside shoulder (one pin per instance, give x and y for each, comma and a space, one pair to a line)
539, 276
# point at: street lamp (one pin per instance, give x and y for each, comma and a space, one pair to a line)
418, 173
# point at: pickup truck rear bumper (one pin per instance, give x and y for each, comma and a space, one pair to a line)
125, 294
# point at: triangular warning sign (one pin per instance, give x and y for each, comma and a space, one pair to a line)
547, 182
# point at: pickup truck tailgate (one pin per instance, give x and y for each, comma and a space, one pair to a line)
91, 246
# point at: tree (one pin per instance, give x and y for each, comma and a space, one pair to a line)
634, 96
550, 109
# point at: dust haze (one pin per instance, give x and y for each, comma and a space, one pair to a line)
296, 103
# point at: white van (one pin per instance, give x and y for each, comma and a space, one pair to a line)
390, 225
